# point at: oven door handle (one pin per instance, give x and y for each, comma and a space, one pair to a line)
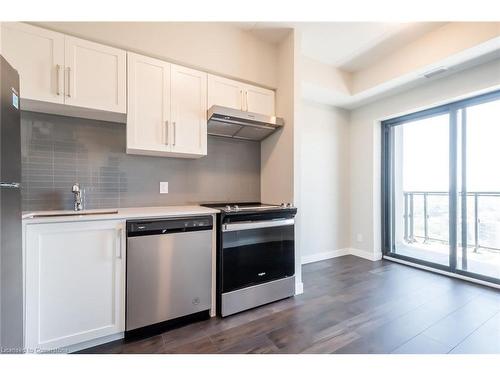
257, 224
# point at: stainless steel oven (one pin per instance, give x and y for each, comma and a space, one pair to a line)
256, 256
256, 252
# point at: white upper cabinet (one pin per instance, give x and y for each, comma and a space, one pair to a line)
167, 109
238, 95
148, 113
225, 92
57, 68
259, 100
95, 75
189, 110
38, 55
75, 282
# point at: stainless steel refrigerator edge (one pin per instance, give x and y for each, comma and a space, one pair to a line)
11, 291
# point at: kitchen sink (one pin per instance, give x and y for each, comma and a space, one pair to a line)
69, 213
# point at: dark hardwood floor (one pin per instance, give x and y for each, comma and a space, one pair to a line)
349, 305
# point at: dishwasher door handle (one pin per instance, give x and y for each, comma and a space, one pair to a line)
246, 225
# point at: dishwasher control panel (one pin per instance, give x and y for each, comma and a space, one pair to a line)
150, 227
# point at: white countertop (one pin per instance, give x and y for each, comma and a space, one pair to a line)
123, 214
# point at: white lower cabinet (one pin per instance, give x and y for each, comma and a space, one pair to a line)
75, 282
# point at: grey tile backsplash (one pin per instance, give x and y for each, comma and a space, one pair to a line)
58, 151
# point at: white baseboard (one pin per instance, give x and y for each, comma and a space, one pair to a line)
324, 255
365, 254
299, 288
94, 342
341, 252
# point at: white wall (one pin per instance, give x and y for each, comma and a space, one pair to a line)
279, 152
215, 47
324, 190
364, 181
324, 83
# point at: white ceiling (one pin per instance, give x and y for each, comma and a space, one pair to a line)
335, 48
350, 46
395, 37
271, 32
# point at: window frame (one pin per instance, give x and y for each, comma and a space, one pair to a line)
387, 181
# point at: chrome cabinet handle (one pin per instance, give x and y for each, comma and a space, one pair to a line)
166, 132
119, 247
69, 79
175, 133
246, 101
10, 185
58, 75
241, 100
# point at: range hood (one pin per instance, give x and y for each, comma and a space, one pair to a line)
233, 123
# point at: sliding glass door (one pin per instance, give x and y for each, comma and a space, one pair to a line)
479, 190
441, 187
421, 181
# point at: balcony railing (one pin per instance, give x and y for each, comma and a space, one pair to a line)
433, 211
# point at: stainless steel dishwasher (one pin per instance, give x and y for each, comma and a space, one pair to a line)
169, 264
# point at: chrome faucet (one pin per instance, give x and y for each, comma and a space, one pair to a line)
78, 203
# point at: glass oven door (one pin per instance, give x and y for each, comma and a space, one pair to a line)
255, 252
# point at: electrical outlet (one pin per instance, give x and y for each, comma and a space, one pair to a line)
163, 187
359, 237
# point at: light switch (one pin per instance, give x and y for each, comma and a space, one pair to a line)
163, 187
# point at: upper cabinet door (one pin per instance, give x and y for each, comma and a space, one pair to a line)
148, 105
225, 92
238, 95
189, 111
38, 55
259, 100
95, 75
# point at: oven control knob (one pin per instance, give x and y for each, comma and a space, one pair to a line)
283, 205
236, 207
228, 208
289, 205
